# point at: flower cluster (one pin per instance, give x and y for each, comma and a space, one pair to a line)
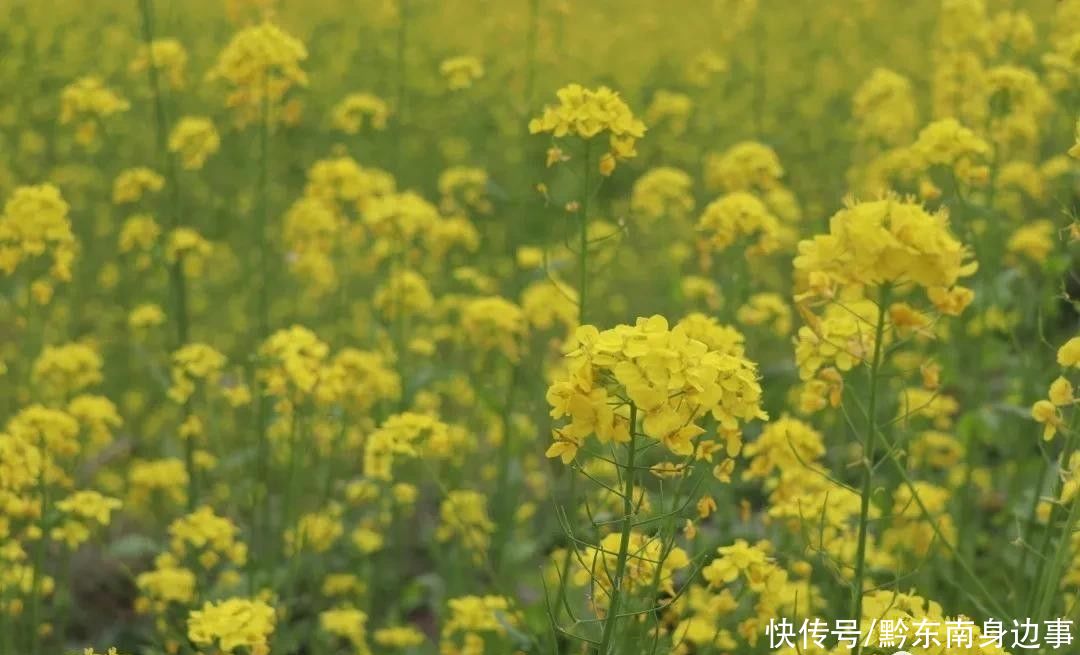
888, 241
233, 623
587, 113
194, 139
261, 61
672, 379
35, 222
349, 114
86, 102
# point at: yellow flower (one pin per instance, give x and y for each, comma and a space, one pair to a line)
587, 113
739, 215
146, 316
294, 359
348, 623
705, 506
68, 368
35, 222
187, 246
1069, 353
1034, 240
662, 192
261, 61
315, 532
167, 56
349, 114
885, 241
555, 155
884, 108
89, 504
166, 583
131, 184
405, 293
204, 533
461, 72
87, 100
192, 362
948, 143
405, 636
494, 323
1061, 392
233, 623
464, 516
194, 138
746, 166
1044, 411
671, 108
671, 377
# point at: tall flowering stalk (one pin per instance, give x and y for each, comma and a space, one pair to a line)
177, 281
639, 387
872, 250
261, 64
585, 114
1050, 413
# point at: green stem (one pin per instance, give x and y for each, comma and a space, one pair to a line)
624, 542
260, 510
176, 273
38, 557
503, 495
583, 296
1033, 514
290, 515
402, 45
65, 608
564, 571
868, 456
583, 240
177, 283
1057, 569
530, 49
989, 599
264, 213
1037, 589
189, 463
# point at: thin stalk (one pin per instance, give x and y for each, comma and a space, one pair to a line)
65, 608
38, 557
583, 296
990, 600
868, 454
758, 89
290, 515
260, 521
1040, 570
1057, 569
1033, 513
564, 571
189, 464
624, 541
177, 283
402, 46
7, 634
583, 240
262, 193
530, 49
503, 495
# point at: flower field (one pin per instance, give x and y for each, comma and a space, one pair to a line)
463, 327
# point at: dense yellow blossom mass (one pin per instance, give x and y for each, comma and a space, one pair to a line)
539, 326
